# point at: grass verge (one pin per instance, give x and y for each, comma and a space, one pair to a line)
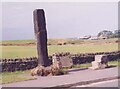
10, 77
86, 65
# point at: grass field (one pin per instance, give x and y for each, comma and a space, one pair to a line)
18, 51
30, 51
17, 41
80, 46
83, 48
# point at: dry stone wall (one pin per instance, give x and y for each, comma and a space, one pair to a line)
89, 57
10, 65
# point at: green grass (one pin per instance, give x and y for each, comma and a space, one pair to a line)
17, 41
114, 63
30, 51
50, 41
10, 77
18, 51
57, 41
86, 65
83, 48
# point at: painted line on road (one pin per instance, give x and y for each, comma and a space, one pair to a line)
92, 84
89, 82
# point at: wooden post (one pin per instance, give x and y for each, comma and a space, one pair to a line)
41, 36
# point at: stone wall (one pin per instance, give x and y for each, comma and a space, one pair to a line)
89, 57
11, 65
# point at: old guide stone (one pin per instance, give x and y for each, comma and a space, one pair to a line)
101, 61
41, 36
64, 60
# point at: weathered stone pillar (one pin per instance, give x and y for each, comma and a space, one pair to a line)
41, 36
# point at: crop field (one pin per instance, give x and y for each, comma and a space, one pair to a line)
18, 51
31, 51
17, 41
55, 41
27, 48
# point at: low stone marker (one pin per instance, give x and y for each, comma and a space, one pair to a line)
62, 61
101, 61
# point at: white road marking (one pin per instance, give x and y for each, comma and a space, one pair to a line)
104, 82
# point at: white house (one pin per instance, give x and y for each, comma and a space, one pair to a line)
84, 37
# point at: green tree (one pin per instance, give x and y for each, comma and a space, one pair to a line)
105, 33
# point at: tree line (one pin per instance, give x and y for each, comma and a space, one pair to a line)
109, 34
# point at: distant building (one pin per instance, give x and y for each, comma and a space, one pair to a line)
85, 37
93, 38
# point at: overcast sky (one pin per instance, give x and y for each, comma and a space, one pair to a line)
63, 20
